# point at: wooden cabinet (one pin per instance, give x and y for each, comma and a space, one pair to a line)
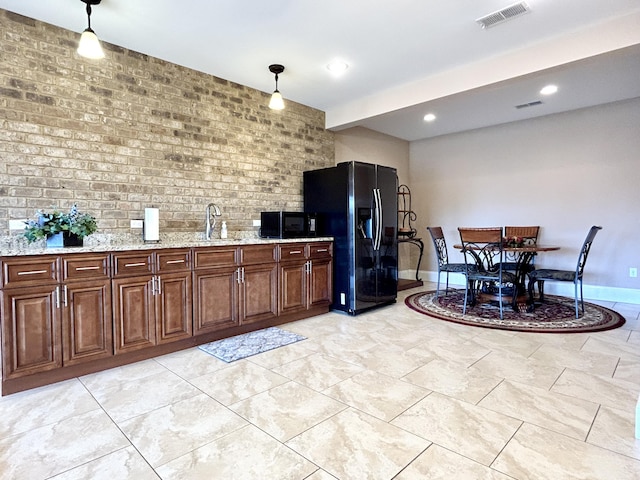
56, 311
234, 286
76, 313
151, 298
305, 276
87, 327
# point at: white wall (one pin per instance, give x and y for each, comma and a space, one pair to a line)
564, 172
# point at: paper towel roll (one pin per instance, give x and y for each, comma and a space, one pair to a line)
151, 231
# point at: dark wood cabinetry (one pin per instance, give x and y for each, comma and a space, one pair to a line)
152, 298
234, 286
305, 276
72, 314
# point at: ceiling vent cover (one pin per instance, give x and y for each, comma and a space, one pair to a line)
507, 13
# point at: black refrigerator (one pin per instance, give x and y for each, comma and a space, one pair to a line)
357, 204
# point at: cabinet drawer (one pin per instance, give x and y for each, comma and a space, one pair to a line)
215, 257
173, 260
258, 254
290, 252
19, 271
320, 250
75, 267
127, 264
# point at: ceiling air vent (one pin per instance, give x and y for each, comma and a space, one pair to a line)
503, 15
530, 104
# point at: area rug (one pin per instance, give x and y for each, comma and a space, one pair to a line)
555, 315
243, 346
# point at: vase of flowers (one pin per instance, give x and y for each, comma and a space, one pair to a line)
60, 229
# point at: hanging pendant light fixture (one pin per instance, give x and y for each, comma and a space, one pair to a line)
89, 45
276, 103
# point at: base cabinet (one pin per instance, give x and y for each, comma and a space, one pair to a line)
31, 331
87, 326
305, 276
71, 314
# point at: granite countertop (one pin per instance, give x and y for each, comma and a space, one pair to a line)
17, 247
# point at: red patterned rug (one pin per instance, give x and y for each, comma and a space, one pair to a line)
555, 315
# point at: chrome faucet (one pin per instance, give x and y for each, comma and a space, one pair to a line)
212, 211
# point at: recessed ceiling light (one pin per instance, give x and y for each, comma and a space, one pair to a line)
549, 90
429, 117
337, 66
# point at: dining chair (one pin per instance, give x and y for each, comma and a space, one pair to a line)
483, 256
545, 274
528, 235
443, 258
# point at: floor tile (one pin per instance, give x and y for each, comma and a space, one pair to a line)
246, 454
456, 349
453, 379
174, 430
612, 347
353, 446
390, 360
125, 463
283, 355
438, 463
114, 377
607, 391
559, 413
628, 370
130, 399
378, 395
191, 363
287, 410
614, 429
503, 340
593, 362
239, 381
56, 448
472, 431
42, 406
536, 453
518, 368
318, 371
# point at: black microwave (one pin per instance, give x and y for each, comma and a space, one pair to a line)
288, 225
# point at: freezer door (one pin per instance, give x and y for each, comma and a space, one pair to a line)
387, 252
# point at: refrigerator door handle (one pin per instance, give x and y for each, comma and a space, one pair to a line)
378, 219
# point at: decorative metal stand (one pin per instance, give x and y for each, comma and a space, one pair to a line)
406, 231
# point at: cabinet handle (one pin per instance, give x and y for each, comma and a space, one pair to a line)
32, 272
141, 264
79, 269
175, 261
238, 279
66, 292
153, 285
322, 250
159, 288
294, 252
58, 296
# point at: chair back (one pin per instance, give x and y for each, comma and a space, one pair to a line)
482, 248
529, 234
584, 251
440, 245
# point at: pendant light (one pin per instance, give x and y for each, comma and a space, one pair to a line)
276, 103
89, 45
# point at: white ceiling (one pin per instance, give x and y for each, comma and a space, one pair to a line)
406, 57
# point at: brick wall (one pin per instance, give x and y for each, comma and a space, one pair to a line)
132, 131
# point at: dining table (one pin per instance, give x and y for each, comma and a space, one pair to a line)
521, 257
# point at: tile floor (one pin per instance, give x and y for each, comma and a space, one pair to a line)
389, 394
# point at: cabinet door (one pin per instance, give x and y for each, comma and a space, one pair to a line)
215, 299
87, 327
293, 287
320, 283
31, 336
259, 292
133, 313
173, 307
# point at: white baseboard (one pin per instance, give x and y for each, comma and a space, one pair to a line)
592, 292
